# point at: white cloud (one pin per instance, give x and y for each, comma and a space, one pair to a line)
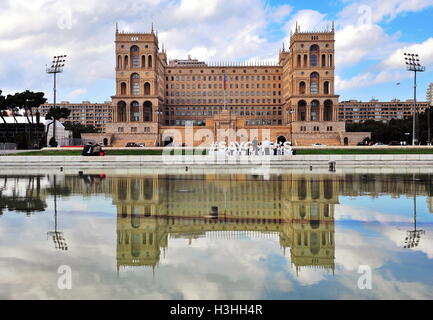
356, 43
376, 11
282, 12
308, 20
424, 49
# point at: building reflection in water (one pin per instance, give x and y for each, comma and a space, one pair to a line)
297, 209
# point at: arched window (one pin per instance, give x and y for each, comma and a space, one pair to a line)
330, 61
302, 189
121, 111
147, 89
143, 61
119, 62
328, 106
313, 60
314, 110
299, 61
149, 64
305, 60
326, 87
135, 56
147, 111
135, 111
329, 189
148, 189
302, 111
135, 84
314, 54
302, 87
126, 64
123, 89
323, 60
314, 83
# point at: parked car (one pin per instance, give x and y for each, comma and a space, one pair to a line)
132, 145
378, 144
394, 143
318, 145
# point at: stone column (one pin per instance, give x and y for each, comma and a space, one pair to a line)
115, 113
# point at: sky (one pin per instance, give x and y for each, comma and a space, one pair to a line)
371, 37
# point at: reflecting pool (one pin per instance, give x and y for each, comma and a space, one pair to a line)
215, 236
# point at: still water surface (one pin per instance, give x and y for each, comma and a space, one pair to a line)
286, 236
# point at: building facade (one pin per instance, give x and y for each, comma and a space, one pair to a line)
291, 100
354, 111
85, 113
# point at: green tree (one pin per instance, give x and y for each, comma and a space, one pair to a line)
27, 101
395, 129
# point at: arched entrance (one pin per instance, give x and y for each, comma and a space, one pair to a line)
314, 114
121, 111
281, 139
105, 142
302, 110
346, 141
328, 110
147, 111
135, 111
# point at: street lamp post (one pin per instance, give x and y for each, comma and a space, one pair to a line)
430, 100
56, 67
413, 64
158, 114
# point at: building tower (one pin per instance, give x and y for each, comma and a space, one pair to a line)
308, 83
140, 85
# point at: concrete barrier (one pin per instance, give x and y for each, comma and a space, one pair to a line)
383, 161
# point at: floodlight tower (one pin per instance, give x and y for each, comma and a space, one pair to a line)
56, 67
430, 100
57, 236
413, 237
413, 64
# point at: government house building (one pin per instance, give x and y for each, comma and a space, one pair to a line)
293, 99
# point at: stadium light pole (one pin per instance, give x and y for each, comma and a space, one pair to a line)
56, 67
413, 237
430, 100
413, 64
57, 236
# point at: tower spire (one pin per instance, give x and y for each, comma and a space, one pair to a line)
333, 26
151, 29
117, 27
